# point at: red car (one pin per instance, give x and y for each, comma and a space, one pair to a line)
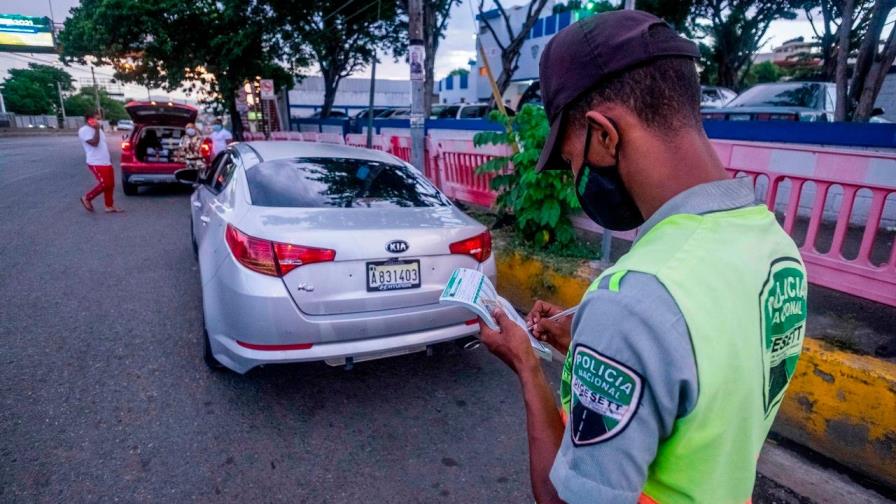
148, 154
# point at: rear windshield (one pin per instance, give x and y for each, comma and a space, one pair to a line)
779, 95
340, 183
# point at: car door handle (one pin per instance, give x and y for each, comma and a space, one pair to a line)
197, 204
204, 219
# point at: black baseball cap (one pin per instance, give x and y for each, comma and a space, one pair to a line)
592, 50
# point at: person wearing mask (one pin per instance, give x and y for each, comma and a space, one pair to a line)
188, 150
99, 162
678, 356
220, 137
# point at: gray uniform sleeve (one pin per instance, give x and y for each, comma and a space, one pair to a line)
637, 333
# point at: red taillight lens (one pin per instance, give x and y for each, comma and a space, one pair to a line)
253, 253
479, 246
126, 146
290, 257
272, 258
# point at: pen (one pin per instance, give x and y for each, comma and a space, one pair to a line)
565, 313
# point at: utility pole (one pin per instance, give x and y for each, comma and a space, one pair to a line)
416, 55
2, 105
96, 92
61, 103
372, 90
370, 104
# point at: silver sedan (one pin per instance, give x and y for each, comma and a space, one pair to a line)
312, 252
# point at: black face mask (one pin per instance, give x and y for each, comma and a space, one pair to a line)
603, 195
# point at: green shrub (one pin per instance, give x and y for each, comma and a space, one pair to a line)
540, 203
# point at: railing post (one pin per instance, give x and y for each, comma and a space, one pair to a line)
606, 244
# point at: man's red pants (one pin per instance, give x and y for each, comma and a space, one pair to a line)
105, 177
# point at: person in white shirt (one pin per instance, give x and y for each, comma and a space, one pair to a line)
99, 162
220, 137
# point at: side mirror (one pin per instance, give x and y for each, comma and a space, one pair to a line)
877, 111
187, 175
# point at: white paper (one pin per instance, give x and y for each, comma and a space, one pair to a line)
475, 292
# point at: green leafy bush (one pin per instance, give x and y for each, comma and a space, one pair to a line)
540, 203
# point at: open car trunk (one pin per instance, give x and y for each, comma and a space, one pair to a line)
161, 114
157, 144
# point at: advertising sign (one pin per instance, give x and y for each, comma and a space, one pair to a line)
416, 56
26, 34
267, 89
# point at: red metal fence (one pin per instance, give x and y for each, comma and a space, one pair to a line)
832, 202
849, 251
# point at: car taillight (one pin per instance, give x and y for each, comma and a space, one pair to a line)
272, 258
126, 146
479, 246
290, 257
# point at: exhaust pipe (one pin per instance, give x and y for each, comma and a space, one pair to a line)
468, 342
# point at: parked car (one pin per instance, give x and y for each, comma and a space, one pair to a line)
444, 111
478, 110
312, 251
334, 114
148, 153
715, 96
532, 95
377, 112
780, 101
124, 125
397, 113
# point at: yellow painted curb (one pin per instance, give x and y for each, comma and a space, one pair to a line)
839, 404
844, 406
522, 280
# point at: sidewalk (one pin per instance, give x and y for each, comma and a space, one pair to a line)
787, 477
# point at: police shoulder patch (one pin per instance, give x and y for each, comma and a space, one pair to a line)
605, 395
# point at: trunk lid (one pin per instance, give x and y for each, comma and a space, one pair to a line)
359, 237
161, 114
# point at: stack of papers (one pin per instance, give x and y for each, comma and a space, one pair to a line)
475, 292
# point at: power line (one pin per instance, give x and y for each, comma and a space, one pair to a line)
337, 10
55, 64
362, 9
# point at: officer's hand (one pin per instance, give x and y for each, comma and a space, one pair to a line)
557, 333
511, 343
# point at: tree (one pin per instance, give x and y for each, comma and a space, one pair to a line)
675, 12
873, 61
459, 72
841, 68
831, 12
85, 101
33, 91
737, 28
512, 43
207, 46
342, 38
762, 73
435, 19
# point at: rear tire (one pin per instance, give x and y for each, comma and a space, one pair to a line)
207, 354
128, 188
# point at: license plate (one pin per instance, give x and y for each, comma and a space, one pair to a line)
393, 275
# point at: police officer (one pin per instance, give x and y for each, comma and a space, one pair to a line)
678, 356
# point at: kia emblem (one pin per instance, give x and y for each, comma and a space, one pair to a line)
397, 246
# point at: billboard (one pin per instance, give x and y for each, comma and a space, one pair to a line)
26, 34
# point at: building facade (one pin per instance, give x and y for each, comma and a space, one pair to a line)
352, 96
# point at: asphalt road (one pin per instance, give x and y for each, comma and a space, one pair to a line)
104, 395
